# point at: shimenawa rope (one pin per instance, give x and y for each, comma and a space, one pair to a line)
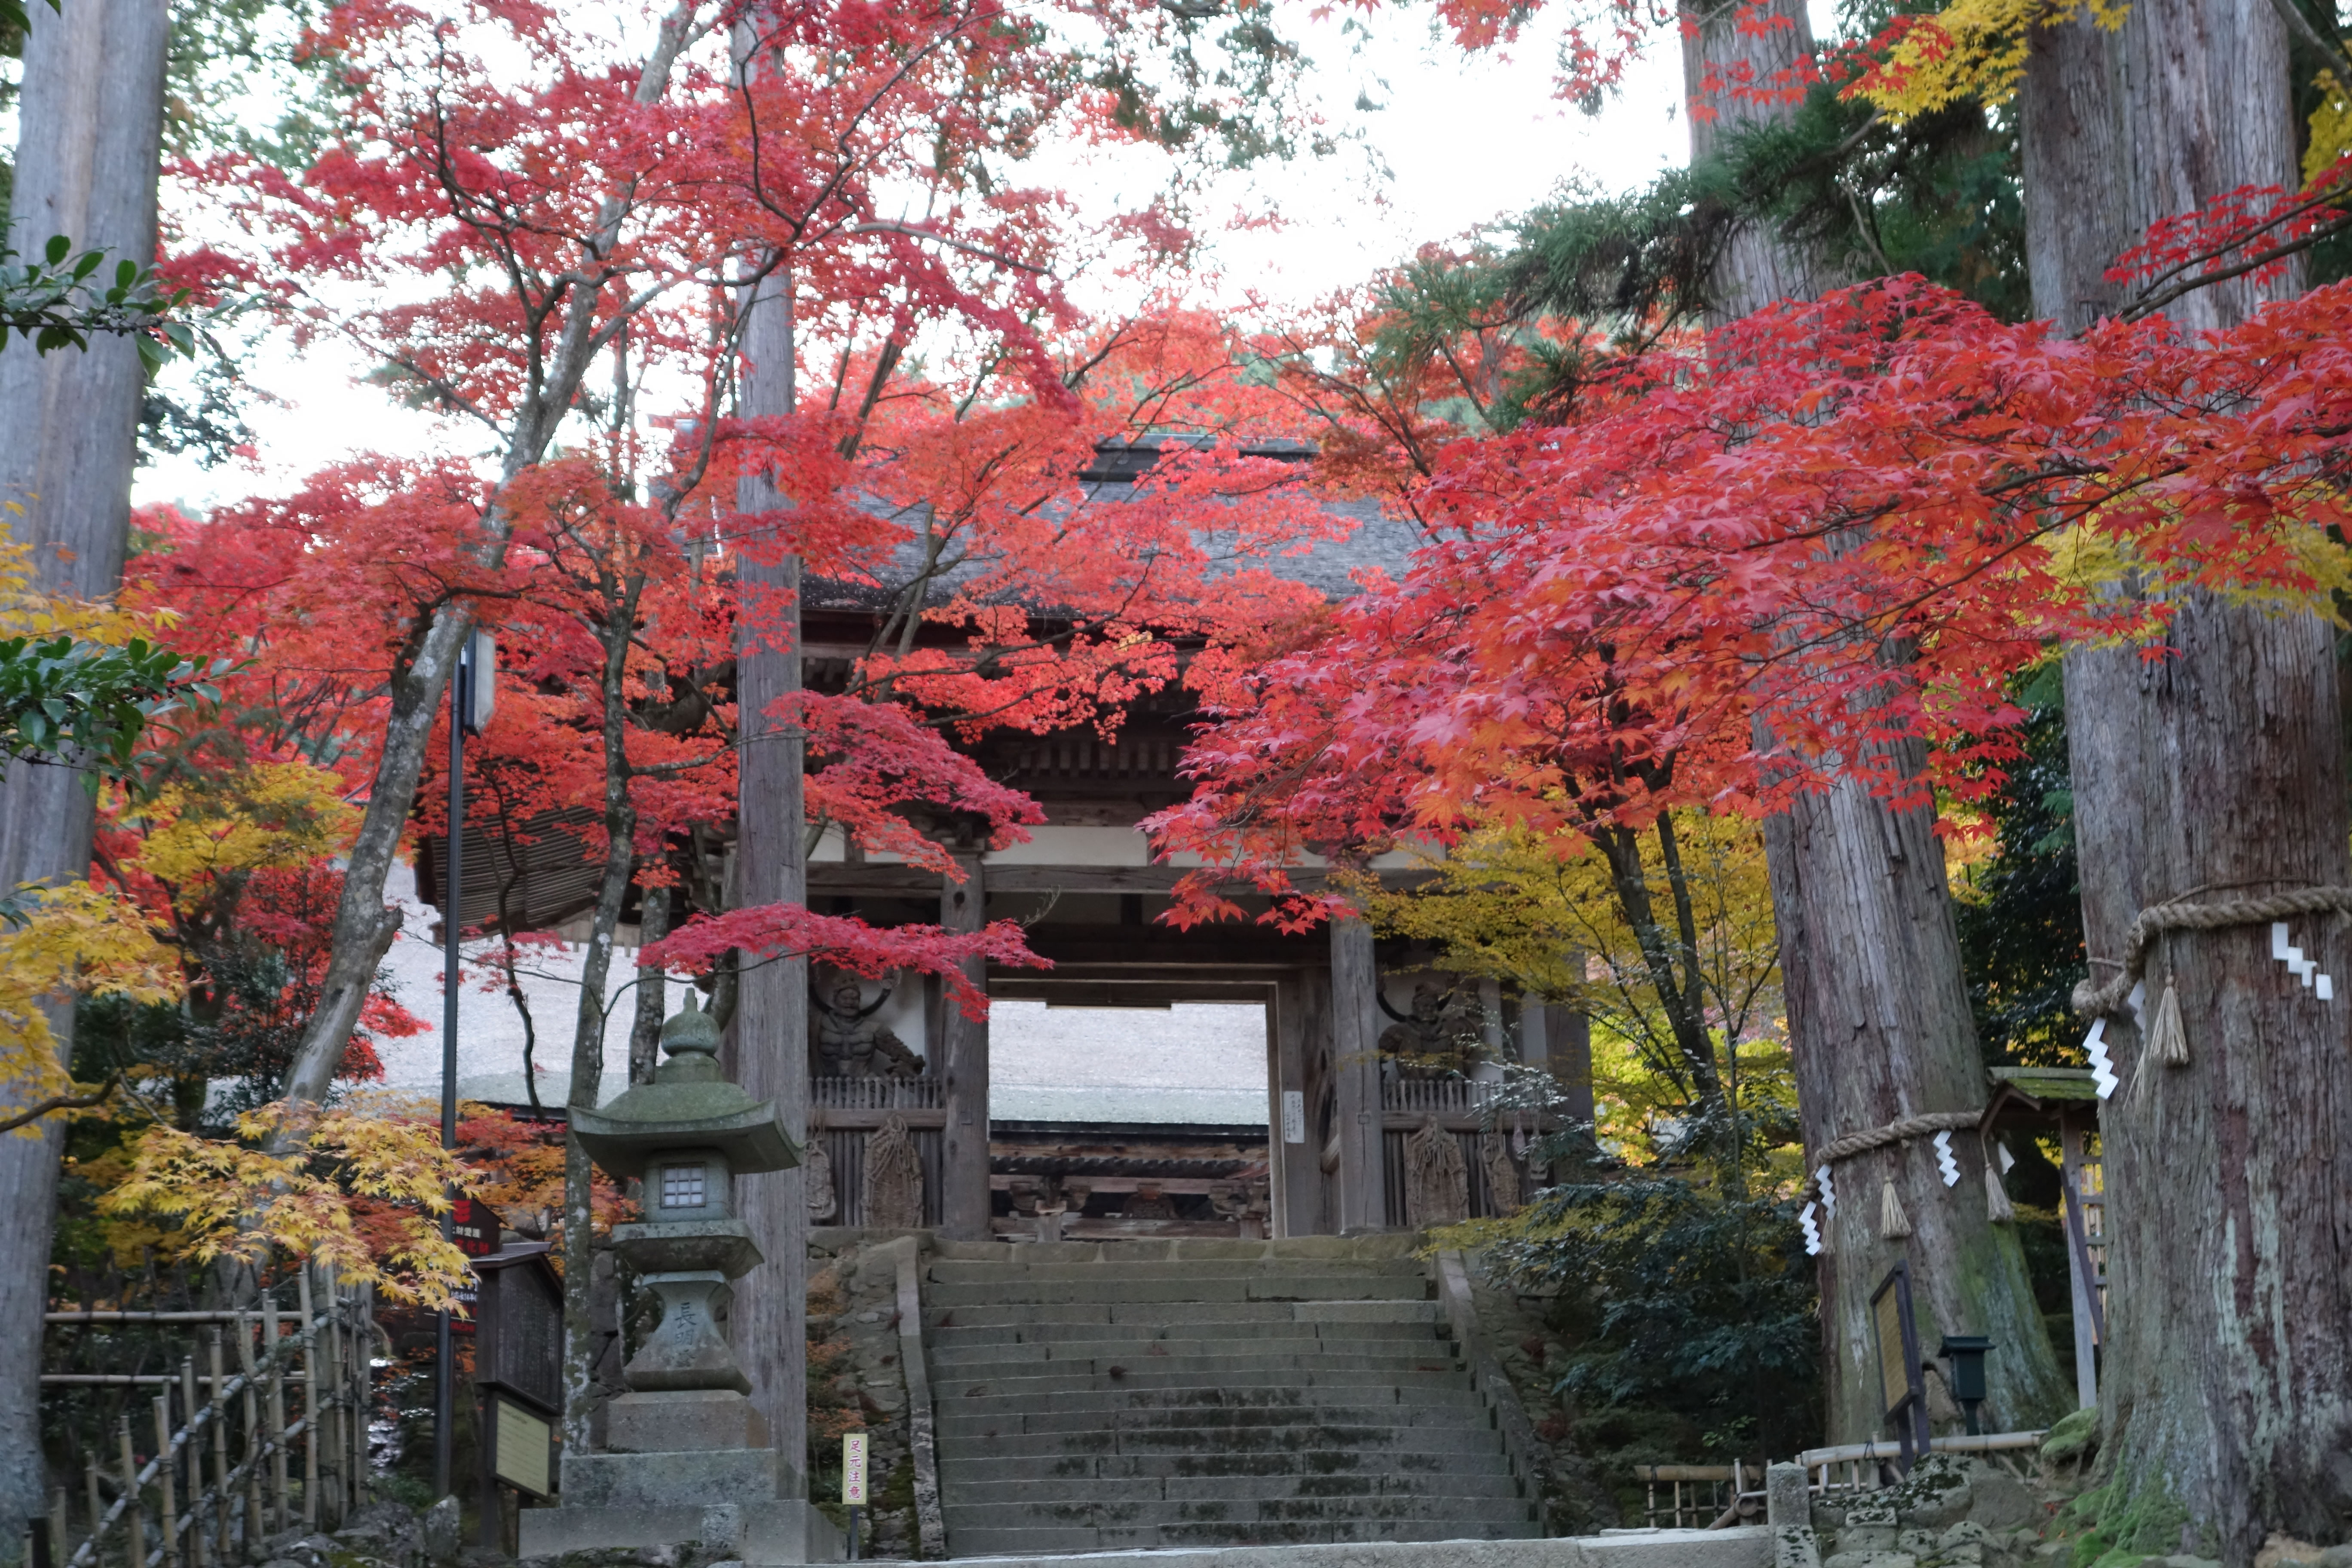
2095, 1001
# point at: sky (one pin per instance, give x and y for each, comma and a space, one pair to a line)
1455, 143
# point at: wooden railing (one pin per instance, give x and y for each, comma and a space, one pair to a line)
230, 1505
1438, 1096
875, 1094
1700, 1497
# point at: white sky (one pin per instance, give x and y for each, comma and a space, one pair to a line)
1463, 142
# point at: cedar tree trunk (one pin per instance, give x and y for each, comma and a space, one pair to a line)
1870, 963
2214, 772
91, 116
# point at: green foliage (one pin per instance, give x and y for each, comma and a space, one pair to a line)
1673, 1298
2020, 915
1938, 195
59, 299
66, 700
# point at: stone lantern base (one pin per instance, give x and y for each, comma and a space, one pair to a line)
691, 1475
727, 1503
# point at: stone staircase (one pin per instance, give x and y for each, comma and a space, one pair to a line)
1196, 1393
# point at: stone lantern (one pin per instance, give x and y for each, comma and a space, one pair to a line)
686, 1456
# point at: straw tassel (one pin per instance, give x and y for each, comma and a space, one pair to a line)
1998, 1208
1893, 1225
2167, 1042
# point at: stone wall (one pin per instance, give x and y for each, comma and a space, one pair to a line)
1577, 1498
1951, 1511
856, 1378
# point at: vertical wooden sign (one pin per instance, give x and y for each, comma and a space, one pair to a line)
853, 1482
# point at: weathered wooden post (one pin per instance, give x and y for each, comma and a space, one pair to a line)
252, 1405
277, 1362
163, 1466
221, 1522
199, 1547
133, 1515
309, 1403
97, 1502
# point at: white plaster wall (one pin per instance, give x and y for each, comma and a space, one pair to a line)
1191, 1062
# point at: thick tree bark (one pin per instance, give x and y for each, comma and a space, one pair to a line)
1878, 1012
581, 1342
771, 1024
2213, 773
91, 113
1879, 1022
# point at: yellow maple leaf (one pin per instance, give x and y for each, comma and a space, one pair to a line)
274, 815
283, 1185
74, 939
1971, 51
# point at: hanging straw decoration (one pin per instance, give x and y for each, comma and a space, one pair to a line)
2167, 1042
1998, 1208
1893, 1225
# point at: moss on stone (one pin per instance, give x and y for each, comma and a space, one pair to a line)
2075, 1435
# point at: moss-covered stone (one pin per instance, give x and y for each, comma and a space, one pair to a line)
2074, 1436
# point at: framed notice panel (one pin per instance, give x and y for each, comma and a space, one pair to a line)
520, 1441
1903, 1390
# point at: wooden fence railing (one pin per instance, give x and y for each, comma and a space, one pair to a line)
1441, 1096
875, 1094
222, 1472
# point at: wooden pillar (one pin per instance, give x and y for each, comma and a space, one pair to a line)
1557, 1038
1356, 1063
963, 1161
768, 1038
1294, 1022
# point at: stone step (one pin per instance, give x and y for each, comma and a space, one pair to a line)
1022, 1548
960, 1341
1404, 1452
1414, 1545
1338, 1446
1192, 1489
1273, 1369
1112, 1287
1465, 1414
1368, 1250
1229, 1511
1136, 1394
1186, 1339
939, 1319
1017, 1393
952, 1271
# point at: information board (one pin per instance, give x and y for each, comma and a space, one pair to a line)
1903, 1389
523, 1439
1893, 1370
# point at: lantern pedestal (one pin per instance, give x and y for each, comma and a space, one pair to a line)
757, 1533
687, 1456
683, 1421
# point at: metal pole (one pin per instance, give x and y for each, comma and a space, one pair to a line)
444, 1378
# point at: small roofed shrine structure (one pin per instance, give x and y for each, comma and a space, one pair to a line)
1382, 1071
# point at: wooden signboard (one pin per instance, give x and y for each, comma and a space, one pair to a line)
520, 1440
519, 1313
518, 1374
1903, 1389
